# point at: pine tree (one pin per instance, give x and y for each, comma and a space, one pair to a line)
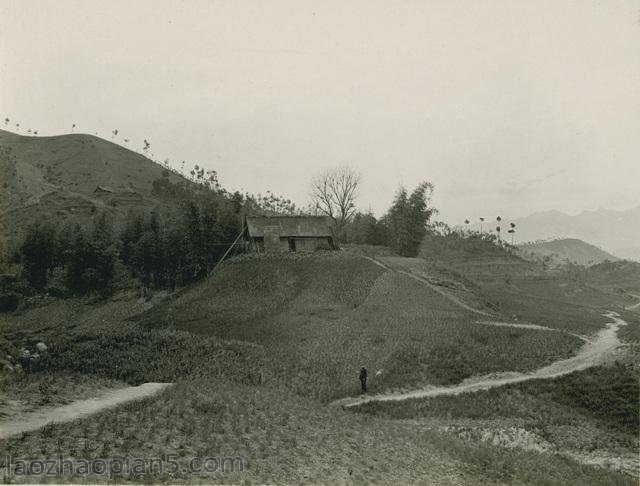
90, 264
194, 266
37, 254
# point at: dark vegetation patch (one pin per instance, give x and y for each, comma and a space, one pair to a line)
135, 355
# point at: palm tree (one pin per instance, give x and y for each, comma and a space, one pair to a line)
6, 121
466, 221
481, 221
512, 231
498, 219
73, 127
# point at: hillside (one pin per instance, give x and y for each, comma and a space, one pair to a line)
565, 250
616, 232
304, 309
260, 349
474, 256
60, 176
615, 276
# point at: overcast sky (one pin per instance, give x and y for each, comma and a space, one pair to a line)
508, 107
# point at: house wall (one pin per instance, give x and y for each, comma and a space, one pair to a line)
272, 240
304, 244
276, 243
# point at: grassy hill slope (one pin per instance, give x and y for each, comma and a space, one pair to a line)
565, 250
257, 350
473, 257
320, 318
42, 177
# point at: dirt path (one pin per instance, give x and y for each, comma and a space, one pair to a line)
79, 409
634, 306
435, 288
517, 325
537, 327
592, 353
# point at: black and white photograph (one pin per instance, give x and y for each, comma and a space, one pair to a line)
301, 242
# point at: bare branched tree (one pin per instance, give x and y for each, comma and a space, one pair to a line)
334, 193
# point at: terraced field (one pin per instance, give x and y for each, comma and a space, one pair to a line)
258, 351
322, 318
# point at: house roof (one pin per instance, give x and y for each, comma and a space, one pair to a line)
309, 226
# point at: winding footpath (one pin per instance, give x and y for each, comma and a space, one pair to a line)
592, 353
30, 421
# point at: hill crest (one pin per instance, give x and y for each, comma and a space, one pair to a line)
70, 175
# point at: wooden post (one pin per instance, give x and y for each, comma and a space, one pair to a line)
228, 250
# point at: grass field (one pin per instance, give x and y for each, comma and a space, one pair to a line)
20, 394
258, 349
322, 318
593, 411
289, 439
609, 394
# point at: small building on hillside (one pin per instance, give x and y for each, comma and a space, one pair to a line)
289, 233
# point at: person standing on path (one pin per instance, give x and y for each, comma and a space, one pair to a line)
363, 379
25, 360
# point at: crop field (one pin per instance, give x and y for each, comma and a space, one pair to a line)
542, 304
314, 343
560, 301
615, 276
321, 319
587, 411
631, 333
49, 389
283, 438
258, 350
609, 394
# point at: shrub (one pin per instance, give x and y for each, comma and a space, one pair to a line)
9, 301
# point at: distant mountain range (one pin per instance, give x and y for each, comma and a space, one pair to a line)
616, 232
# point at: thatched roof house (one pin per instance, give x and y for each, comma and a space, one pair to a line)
289, 233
